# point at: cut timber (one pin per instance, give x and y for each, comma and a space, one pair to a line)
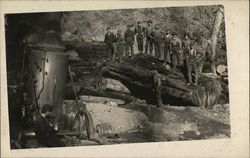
136, 75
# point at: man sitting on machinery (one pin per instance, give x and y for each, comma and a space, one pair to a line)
45, 133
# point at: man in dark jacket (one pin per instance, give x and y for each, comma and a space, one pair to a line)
109, 40
176, 47
129, 40
157, 37
149, 38
192, 65
139, 32
167, 41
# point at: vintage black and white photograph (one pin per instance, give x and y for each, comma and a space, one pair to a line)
117, 76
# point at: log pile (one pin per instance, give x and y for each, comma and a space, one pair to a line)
136, 75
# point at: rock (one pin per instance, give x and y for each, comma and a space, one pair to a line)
197, 133
114, 104
167, 67
222, 70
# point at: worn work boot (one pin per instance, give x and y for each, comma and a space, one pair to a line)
159, 105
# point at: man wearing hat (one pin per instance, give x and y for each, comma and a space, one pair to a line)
139, 32
149, 38
157, 87
175, 47
109, 40
186, 46
100, 66
192, 64
167, 41
129, 40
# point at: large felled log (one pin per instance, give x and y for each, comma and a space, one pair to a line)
80, 90
136, 75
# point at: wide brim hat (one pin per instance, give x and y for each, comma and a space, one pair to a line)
150, 21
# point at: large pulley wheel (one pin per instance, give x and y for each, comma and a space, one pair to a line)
89, 125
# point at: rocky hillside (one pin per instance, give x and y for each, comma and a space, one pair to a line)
91, 25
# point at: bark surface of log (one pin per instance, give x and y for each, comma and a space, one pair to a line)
80, 90
136, 75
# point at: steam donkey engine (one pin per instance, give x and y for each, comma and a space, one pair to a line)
47, 70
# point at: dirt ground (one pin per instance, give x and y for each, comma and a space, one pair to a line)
171, 123
139, 122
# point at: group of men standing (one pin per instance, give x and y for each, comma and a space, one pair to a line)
177, 53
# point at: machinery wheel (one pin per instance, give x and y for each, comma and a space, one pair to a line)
89, 124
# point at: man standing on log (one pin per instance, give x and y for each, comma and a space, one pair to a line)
99, 68
129, 40
149, 38
109, 40
120, 45
175, 47
139, 32
157, 37
192, 65
186, 47
157, 87
167, 41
